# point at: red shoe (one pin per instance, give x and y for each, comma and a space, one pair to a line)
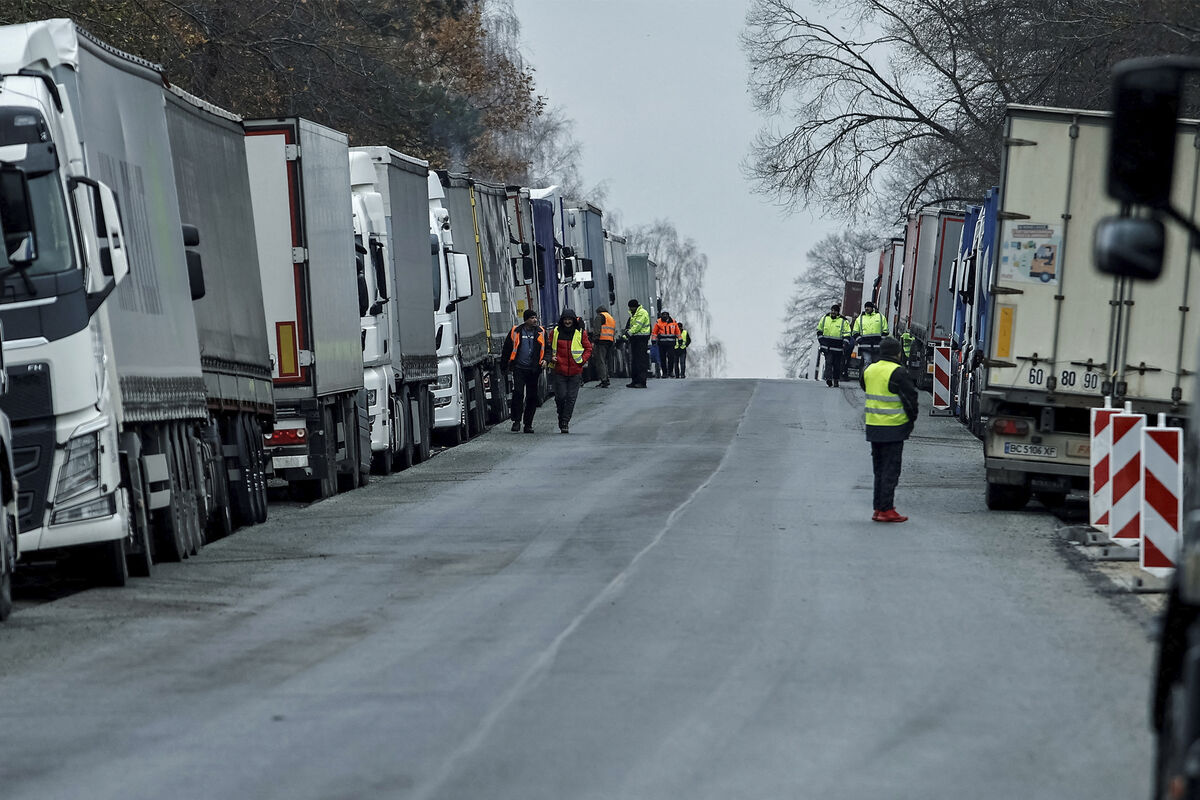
891, 515
875, 516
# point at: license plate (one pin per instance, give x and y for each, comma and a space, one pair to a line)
1021, 449
289, 462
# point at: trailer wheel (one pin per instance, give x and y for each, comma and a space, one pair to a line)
404, 416
139, 560
258, 460
242, 494
481, 404
425, 421
1051, 499
1002, 497
348, 481
381, 462
8, 564
170, 524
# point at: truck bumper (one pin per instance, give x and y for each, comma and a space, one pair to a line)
74, 534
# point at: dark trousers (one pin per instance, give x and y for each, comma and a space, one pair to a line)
666, 354
681, 360
833, 363
566, 390
885, 459
600, 357
639, 359
525, 394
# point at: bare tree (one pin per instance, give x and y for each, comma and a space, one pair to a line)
681, 272
901, 103
835, 259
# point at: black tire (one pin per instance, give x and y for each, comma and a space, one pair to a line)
191, 482
8, 564
405, 455
242, 494
107, 561
1001, 497
498, 406
348, 481
381, 462
257, 476
139, 562
170, 524
425, 419
481, 403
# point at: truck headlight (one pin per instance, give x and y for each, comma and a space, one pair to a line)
372, 396
100, 507
445, 381
81, 468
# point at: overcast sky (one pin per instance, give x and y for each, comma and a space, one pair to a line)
657, 89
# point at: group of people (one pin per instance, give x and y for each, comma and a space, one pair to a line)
837, 336
567, 347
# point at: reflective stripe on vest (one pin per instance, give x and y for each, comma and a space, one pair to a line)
576, 344
906, 340
608, 331
871, 325
883, 409
832, 327
639, 322
516, 342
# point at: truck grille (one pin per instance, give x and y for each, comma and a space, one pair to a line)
28, 396
33, 460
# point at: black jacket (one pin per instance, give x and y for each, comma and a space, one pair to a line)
901, 383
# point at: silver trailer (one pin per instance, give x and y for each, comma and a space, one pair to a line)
583, 232
300, 181
620, 292
208, 148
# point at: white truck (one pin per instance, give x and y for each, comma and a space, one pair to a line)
926, 307
109, 394
391, 209
300, 181
1060, 337
459, 336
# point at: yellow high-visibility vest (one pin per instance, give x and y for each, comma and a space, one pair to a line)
576, 344
883, 408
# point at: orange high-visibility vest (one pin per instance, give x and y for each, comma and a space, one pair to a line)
516, 342
608, 331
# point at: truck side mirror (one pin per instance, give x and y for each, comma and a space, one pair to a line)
612, 283
195, 274
462, 276
566, 268
114, 258
1130, 246
16, 217
1141, 150
527, 272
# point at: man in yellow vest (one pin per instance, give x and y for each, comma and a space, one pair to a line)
637, 331
681, 346
604, 332
831, 330
869, 330
891, 412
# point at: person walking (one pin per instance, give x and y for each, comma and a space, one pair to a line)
569, 349
890, 413
637, 331
665, 335
681, 346
524, 351
869, 330
831, 331
604, 332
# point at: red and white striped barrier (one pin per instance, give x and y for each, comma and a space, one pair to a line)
1162, 497
941, 377
1125, 519
1099, 486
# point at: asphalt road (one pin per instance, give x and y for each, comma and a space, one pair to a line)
685, 598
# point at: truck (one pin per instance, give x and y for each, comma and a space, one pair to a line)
109, 395
546, 251
926, 306
583, 241
971, 282
501, 287
459, 335
1151, 177
528, 275
1060, 341
394, 193
300, 189
476, 351
852, 297
616, 258
208, 151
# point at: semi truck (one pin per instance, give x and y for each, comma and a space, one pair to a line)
1059, 341
109, 394
300, 188
582, 235
500, 288
616, 256
971, 282
402, 408
208, 150
926, 307
546, 251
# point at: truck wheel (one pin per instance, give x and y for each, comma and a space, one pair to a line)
481, 404
498, 407
404, 417
190, 480
421, 449
242, 494
1051, 499
256, 475
108, 563
349, 481
381, 462
8, 564
1002, 497
170, 524
139, 560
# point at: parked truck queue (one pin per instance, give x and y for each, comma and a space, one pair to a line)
200, 307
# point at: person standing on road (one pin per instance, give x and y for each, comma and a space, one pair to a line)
638, 333
869, 330
524, 351
665, 335
604, 331
831, 331
891, 411
569, 349
681, 346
